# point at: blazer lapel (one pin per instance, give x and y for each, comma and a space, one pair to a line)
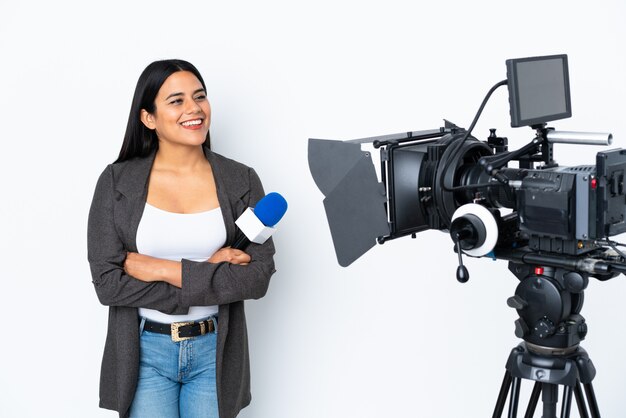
132, 188
230, 191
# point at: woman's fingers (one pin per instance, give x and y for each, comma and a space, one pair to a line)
230, 255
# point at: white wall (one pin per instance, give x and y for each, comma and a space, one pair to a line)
394, 335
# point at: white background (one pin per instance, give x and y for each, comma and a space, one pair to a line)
393, 335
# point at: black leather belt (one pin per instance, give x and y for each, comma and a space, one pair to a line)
180, 331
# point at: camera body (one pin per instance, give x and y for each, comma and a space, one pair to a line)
561, 210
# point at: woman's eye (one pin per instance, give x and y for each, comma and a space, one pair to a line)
177, 101
201, 97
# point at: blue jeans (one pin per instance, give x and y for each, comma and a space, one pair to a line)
176, 379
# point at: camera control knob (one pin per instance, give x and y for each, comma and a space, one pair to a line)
544, 328
521, 329
516, 302
575, 282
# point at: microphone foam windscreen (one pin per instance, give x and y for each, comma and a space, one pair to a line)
271, 209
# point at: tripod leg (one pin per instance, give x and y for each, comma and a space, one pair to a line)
580, 400
591, 398
534, 398
504, 390
567, 401
549, 397
514, 401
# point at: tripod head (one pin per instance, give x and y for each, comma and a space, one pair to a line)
548, 301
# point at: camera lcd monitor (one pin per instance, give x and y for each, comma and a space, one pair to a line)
538, 90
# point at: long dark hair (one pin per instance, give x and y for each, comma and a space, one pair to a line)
139, 141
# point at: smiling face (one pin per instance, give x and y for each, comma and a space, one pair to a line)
182, 112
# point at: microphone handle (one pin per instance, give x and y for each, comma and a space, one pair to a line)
241, 243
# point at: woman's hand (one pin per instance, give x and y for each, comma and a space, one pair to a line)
230, 255
151, 269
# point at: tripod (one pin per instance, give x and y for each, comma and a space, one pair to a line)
549, 303
570, 368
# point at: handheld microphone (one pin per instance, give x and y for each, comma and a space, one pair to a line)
257, 225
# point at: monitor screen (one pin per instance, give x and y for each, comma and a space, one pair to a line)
538, 90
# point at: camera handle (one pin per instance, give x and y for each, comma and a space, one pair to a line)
542, 143
462, 274
466, 232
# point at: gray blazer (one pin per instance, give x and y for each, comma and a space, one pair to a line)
116, 210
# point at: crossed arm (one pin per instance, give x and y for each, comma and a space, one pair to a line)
151, 269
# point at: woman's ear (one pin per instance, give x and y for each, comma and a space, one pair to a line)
147, 119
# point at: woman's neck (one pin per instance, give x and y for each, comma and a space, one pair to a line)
180, 158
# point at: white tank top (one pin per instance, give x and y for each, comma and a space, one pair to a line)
174, 236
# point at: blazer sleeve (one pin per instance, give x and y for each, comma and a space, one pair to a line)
106, 254
206, 283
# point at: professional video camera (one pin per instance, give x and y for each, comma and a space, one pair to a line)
555, 232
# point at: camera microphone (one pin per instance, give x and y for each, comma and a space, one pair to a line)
257, 225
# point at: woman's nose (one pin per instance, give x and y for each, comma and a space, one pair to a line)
193, 107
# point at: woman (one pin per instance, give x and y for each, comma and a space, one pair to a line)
160, 226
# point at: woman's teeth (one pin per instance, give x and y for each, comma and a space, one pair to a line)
192, 122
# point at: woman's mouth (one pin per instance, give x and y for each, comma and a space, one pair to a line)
192, 124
